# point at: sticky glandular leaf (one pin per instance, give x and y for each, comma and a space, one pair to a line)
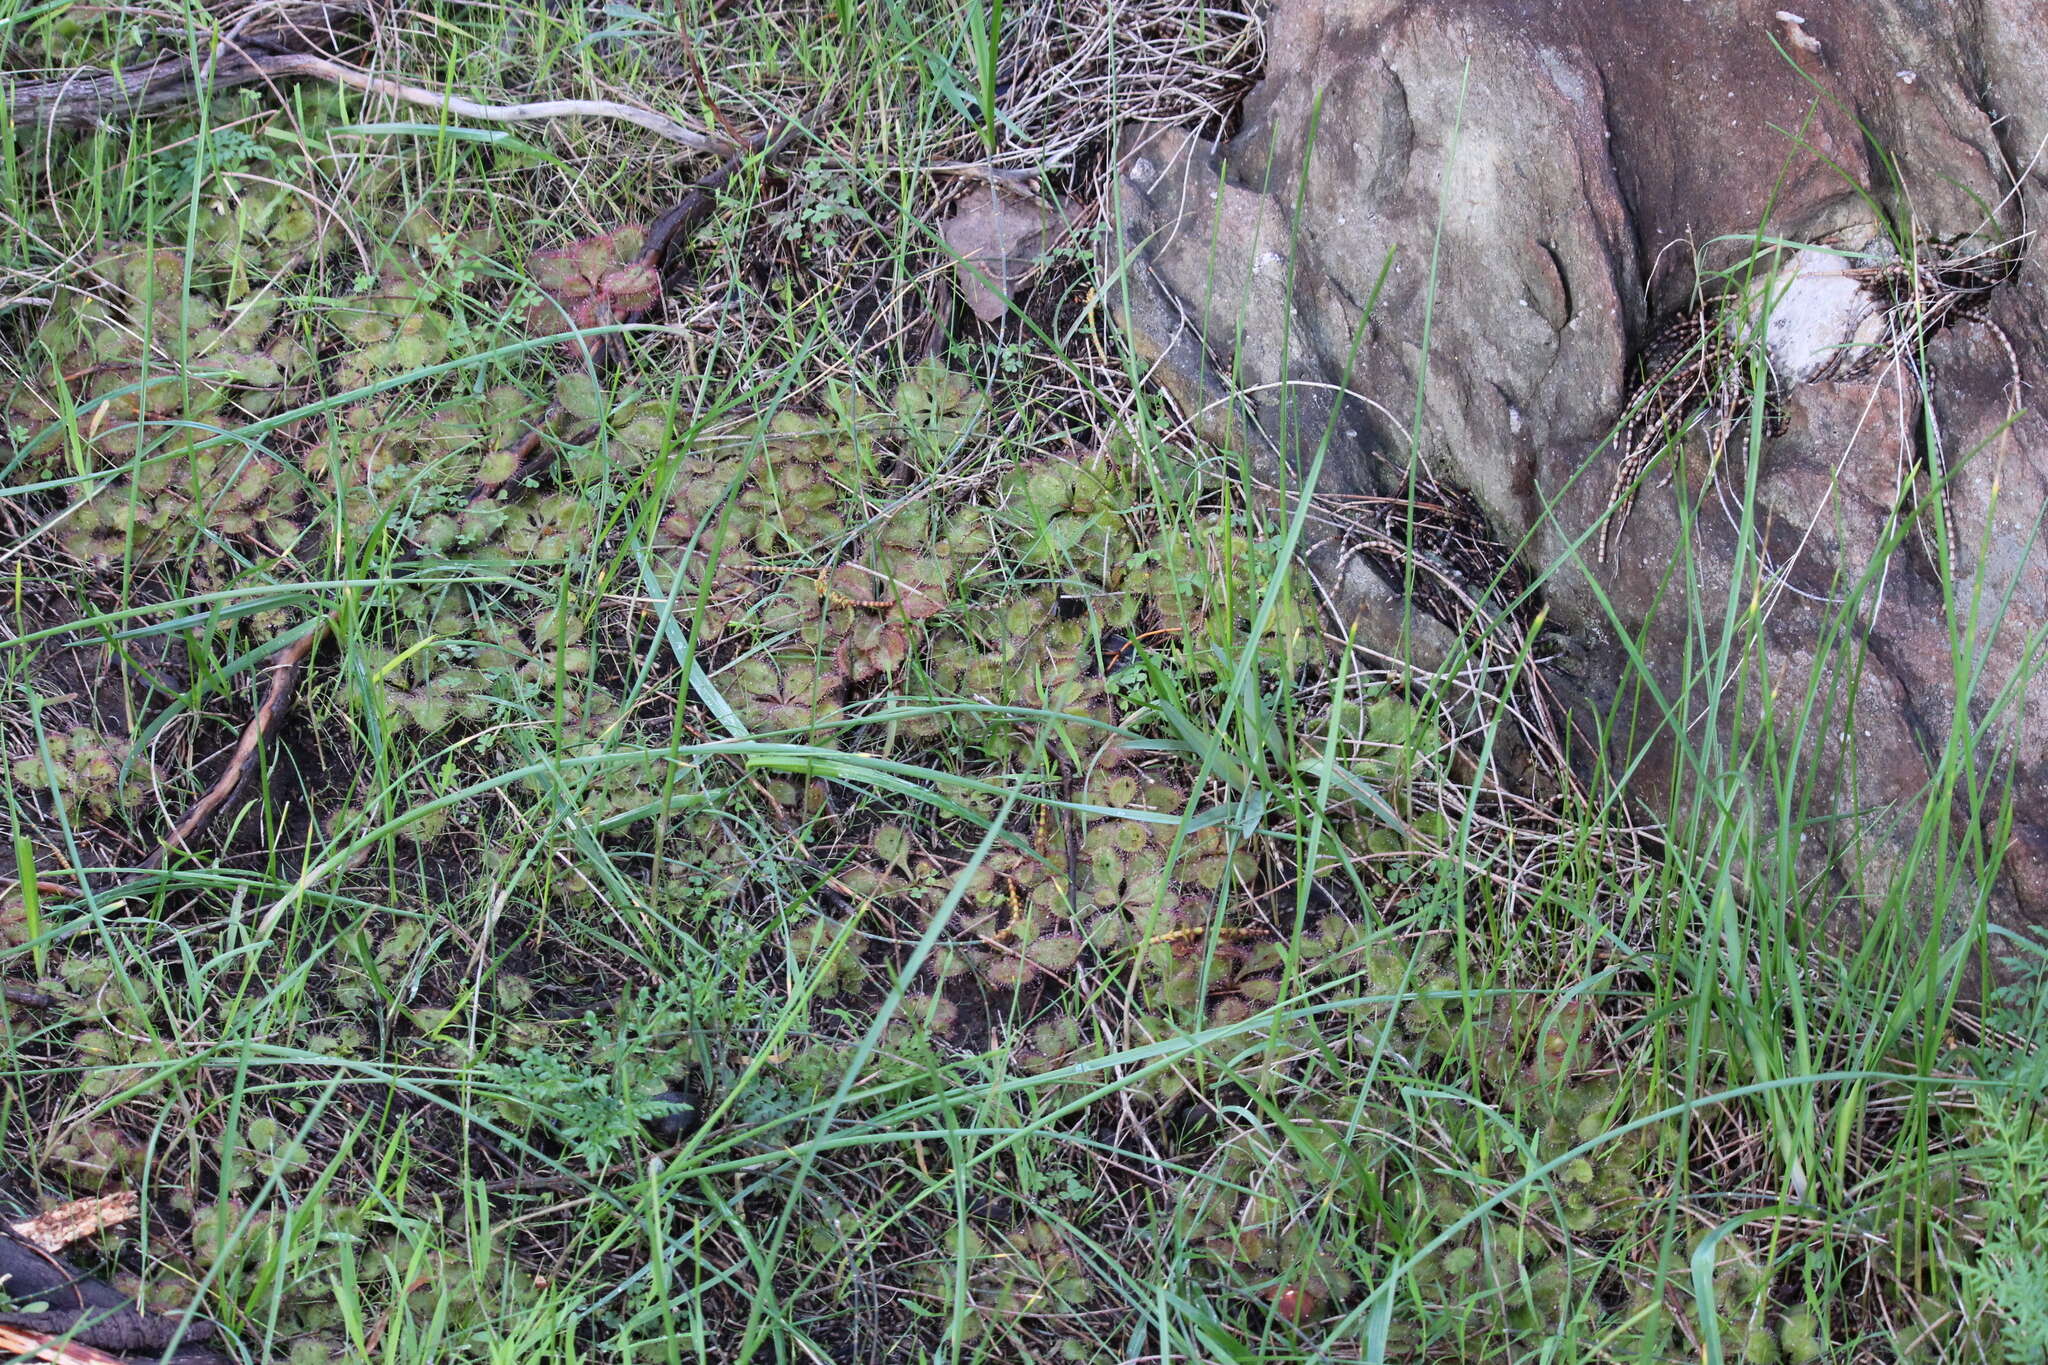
1055, 952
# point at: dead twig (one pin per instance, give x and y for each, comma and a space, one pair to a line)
23, 1344
90, 98
661, 125
79, 1318
284, 677
28, 997
277, 700
54, 1229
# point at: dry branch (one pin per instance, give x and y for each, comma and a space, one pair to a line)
277, 700
90, 98
284, 677
81, 1319
22, 1344
28, 997
54, 1229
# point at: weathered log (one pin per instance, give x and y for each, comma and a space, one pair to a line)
93, 98
88, 1311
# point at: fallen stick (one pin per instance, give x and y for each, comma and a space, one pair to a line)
661, 125
22, 1344
91, 98
277, 700
28, 997
54, 1229
284, 677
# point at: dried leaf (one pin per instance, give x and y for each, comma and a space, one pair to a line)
1001, 238
58, 1228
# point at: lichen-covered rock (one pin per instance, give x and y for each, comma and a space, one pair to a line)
1495, 206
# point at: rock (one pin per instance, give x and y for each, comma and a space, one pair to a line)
1001, 237
1494, 204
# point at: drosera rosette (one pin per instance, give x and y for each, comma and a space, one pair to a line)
14, 916
115, 1061
412, 469
1234, 974
1054, 1043
426, 686
91, 774
800, 469
921, 1023
1527, 1284
829, 956
251, 236
1013, 923
390, 974
1043, 658
1540, 1261
709, 612
1277, 1209
184, 504
535, 654
920, 558
1137, 884
1032, 945
876, 607
777, 483
552, 527
1017, 1277
697, 528
95, 1153
1069, 513
899, 869
1760, 1314
286, 1258
613, 777
130, 356
271, 1149
706, 478
864, 618
1558, 1081
868, 643
793, 691
1401, 744
454, 251
391, 327
629, 430
1198, 591
590, 282
537, 529
938, 407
